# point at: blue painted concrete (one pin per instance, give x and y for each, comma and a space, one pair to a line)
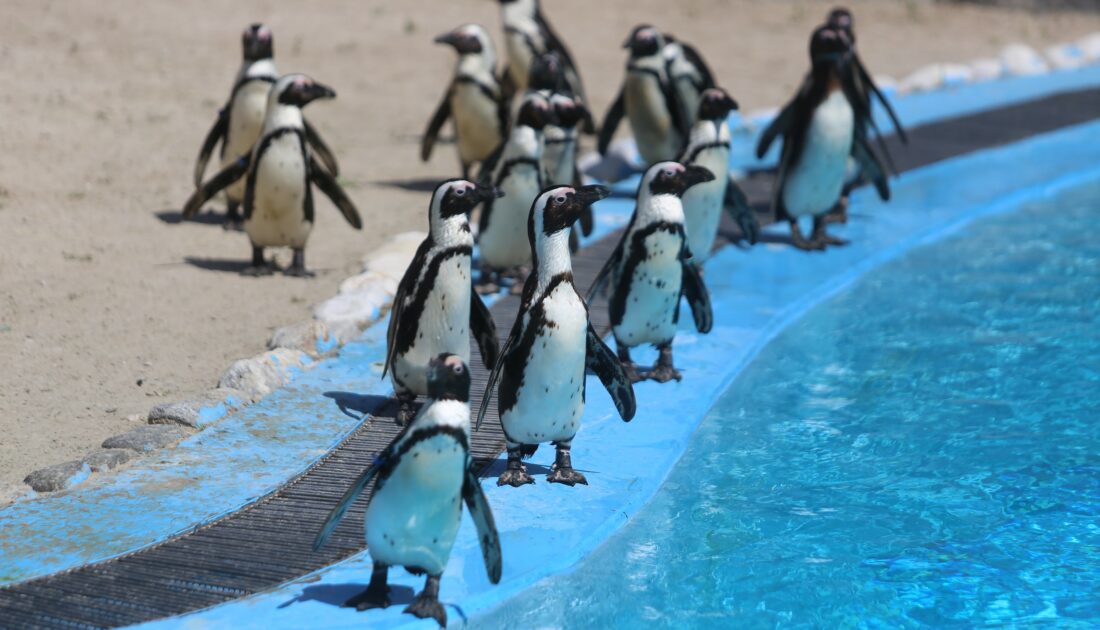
546, 529
201, 479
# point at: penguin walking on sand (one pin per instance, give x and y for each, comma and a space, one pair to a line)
651, 270
474, 100
689, 74
527, 35
841, 19
541, 370
709, 146
648, 100
414, 512
278, 198
821, 127
517, 172
435, 309
239, 122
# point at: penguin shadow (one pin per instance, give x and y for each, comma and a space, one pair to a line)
218, 264
417, 184
360, 405
174, 217
501, 463
337, 594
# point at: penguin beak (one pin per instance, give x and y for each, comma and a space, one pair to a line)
449, 38
731, 104
485, 193
695, 174
318, 90
462, 42
583, 197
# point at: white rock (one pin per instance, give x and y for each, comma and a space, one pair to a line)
393, 257
311, 336
370, 279
259, 376
361, 307
1021, 59
1065, 56
1090, 46
925, 79
987, 69
200, 411
887, 84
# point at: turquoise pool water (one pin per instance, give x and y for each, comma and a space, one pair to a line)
921, 450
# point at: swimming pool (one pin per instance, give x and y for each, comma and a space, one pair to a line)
921, 449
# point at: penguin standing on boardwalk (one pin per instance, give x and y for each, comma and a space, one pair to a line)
651, 270
689, 74
541, 370
841, 19
527, 35
414, 513
822, 125
239, 123
516, 171
474, 100
648, 100
435, 309
709, 147
278, 198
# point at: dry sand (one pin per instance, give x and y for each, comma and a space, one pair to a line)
105, 309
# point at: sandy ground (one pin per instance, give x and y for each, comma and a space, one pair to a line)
106, 309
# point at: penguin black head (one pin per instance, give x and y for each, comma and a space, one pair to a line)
829, 47
559, 207
841, 19
569, 110
716, 104
459, 197
546, 73
673, 178
257, 42
535, 112
468, 39
300, 90
644, 41
448, 378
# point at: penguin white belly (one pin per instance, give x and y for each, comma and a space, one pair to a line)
246, 121
443, 326
519, 59
278, 213
413, 519
653, 293
504, 242
550, 399
477, 123
814, 184
703, 203
558, 155
650, 120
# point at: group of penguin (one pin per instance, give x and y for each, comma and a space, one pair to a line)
531, 196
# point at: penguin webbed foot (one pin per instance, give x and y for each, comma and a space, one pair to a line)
515, 477
426, 605
822, 238
630, 369
297, 268
839, 213
663, 371
562, 470
405, 410
377, 594
256, 271
801, 242
234, 222
487, 282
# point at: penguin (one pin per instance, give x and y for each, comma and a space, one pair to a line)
541, 370
474, 100
435, 309
527, 35
239, 122
278, 198
651, 269
414, 512
689, 75
821, 126
841, 19
709, 146
517, 172
648, 100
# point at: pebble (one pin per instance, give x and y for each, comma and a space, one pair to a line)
311, 336
107, 458
259, 376
1021, 59
200, 411
147, 438
58, 476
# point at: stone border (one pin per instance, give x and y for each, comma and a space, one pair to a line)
365, 298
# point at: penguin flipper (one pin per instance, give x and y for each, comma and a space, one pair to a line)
611, 122
698, 297
737, 205
872, 167
349, 497
213, 137
696, 60
601, 360
865, 78
224, 178
482, 515
328, 185
404, 288
321, 149
779, 126
484, 330
494, 375
442, 113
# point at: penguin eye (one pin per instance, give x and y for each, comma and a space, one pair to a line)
669, 173
460, 192
457, 368
559, 199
